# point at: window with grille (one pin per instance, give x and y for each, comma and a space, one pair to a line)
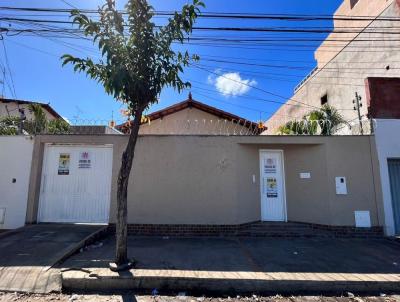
324, 100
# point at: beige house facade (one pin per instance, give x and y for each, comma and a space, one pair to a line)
365, 47
192, 117
210, 181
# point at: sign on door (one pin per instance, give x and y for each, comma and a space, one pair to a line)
273, 204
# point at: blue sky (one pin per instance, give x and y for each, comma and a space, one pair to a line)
38, 75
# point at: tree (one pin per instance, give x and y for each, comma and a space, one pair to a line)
302, 127
137, 62
323, 121
39, 122
328, 118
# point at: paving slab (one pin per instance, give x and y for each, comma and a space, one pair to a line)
241, 265
29, 253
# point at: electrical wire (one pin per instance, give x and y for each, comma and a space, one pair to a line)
12, 88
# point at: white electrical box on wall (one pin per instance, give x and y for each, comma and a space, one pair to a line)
2, 215
341, 185
305, 175
363, 219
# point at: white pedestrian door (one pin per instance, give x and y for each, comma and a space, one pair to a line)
272, 181
76, 184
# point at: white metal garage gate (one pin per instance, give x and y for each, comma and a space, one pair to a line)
76, 184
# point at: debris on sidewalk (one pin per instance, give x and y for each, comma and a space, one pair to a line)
73, 298
130, 296
95, 246
182, 296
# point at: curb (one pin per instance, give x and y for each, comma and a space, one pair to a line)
221, 286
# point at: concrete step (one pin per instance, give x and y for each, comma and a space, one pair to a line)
279, 229
286, 234
282, 229
285, 225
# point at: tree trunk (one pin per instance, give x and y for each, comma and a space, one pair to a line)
122, 193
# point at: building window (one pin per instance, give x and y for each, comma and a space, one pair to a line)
353, 3
324, 100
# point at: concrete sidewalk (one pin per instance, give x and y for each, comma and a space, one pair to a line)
28, 254
242, 265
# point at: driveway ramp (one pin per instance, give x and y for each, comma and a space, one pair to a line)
29, 254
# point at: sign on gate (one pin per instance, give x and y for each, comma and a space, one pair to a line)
84, 161
63, 164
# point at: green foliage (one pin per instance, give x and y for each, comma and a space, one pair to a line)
137, 56
38, 125
9, 125
58, 126
323, 121
302, 127
329, 118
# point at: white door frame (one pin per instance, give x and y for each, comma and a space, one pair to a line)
45, 163
261, 151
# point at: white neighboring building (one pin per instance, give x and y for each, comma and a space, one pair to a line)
388, 149
15, 163
383, 98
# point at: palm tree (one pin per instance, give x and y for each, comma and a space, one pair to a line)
328, 119
302, 127
323, 121
40, 125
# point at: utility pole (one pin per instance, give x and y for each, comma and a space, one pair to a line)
22, 119
357, 105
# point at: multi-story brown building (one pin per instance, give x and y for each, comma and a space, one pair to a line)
364, 44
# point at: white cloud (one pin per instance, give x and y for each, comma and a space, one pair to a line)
211, 79
231, 84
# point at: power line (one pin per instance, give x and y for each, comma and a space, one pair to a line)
248, 73
280, 60
330, 74
260, 89
13, 92
69, 4
229, 29
33, 48
287, 117
299, 103
285, 66
254, 41
71, 34
213, 45
228, 62
222, 15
